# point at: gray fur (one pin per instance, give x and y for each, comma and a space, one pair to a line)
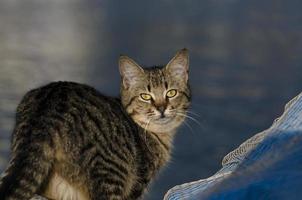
70, 142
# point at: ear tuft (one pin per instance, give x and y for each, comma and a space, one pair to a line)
130, 71
178, 66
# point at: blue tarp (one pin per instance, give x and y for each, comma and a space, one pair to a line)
266, 166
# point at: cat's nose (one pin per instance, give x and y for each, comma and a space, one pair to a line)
161, 109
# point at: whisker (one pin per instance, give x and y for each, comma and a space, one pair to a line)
188, 125
193, 113
186, 111
190, 117
145, 133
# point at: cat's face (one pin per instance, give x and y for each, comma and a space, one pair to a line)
156, 98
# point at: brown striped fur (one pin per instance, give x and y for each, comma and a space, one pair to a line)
70, 142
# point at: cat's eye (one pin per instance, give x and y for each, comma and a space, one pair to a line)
146, 97
171, 93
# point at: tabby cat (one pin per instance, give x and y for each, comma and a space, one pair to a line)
70, 142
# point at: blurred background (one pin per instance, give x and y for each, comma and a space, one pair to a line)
245, 63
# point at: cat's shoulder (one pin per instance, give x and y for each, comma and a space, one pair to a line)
62, 90
63, 86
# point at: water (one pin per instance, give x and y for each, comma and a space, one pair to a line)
245, 63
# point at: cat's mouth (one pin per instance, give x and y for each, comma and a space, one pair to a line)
163, 120
159, 123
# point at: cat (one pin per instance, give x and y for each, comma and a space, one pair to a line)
71, 142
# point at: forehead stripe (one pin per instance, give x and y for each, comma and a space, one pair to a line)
157, 77
166, 84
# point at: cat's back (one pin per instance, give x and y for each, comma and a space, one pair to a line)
62, 97
66, 108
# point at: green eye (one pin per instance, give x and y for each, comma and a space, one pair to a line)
145, 96
171, 93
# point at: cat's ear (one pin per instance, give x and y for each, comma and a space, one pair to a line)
178, 66
130, 71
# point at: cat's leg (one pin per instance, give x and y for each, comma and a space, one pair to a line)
107, 180
106, 186
28, 169
138, 190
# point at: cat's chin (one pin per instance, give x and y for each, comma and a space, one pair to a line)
164, 128
162, 125
163, 121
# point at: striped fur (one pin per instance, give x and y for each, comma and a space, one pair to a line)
72, 143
